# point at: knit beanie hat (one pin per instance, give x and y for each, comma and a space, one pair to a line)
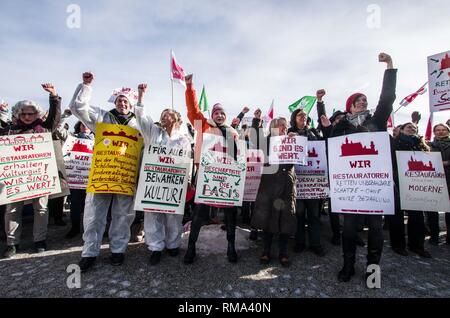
217, 107
351, 100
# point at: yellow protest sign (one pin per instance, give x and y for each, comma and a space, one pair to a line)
116, 158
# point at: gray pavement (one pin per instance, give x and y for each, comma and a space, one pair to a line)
44, 275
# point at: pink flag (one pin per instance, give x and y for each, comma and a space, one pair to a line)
428, 133
409, 99
270, 115
176, 71
390, 122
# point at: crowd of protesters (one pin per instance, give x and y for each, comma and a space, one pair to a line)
276, 211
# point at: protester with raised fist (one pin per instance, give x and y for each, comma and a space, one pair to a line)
216, 125
162, 231
307, 209
96, 208
358, 119
29, 121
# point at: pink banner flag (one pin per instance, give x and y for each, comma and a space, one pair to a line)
176, 71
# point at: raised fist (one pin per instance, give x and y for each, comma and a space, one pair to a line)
88, 77
235, 122
384, 58
188, 79
320, 94
48, 87
245, 110
142, 88
416, 117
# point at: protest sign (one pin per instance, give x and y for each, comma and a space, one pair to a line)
439, 81
163, 180
255, 162
361, 180
288, 150
422, 182
221, 177
312, 178
116, 157
27, 167
77, 161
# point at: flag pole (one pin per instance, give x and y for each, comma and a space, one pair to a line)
172, 94
398, 109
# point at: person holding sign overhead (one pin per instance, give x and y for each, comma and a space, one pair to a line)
29, 121
216, 126
162, 230
358, 119
96, 207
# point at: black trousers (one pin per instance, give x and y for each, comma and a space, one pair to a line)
350, 232
247, 211
308, 209
416, 229
56, 208
2, 222
77, 200
334, 221
282, 241
201, 215
433, 223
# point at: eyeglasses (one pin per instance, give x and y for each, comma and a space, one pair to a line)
27, 114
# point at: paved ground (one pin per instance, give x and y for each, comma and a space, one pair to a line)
44, 275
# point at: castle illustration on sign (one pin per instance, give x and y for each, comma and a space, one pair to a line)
417, 165
312, 153
80, 147
356, 149
121, 134
254, 158
219, 148
7, 141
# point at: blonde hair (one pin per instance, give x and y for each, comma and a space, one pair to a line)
176, 116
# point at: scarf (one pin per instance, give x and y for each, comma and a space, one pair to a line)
412, 140
122, 119
358, 119
34, 127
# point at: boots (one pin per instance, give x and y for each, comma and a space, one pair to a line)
190, 254
231, 253
346, 273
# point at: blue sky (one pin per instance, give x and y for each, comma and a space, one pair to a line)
245, 52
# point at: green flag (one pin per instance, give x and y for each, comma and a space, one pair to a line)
306, 103
203, 104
